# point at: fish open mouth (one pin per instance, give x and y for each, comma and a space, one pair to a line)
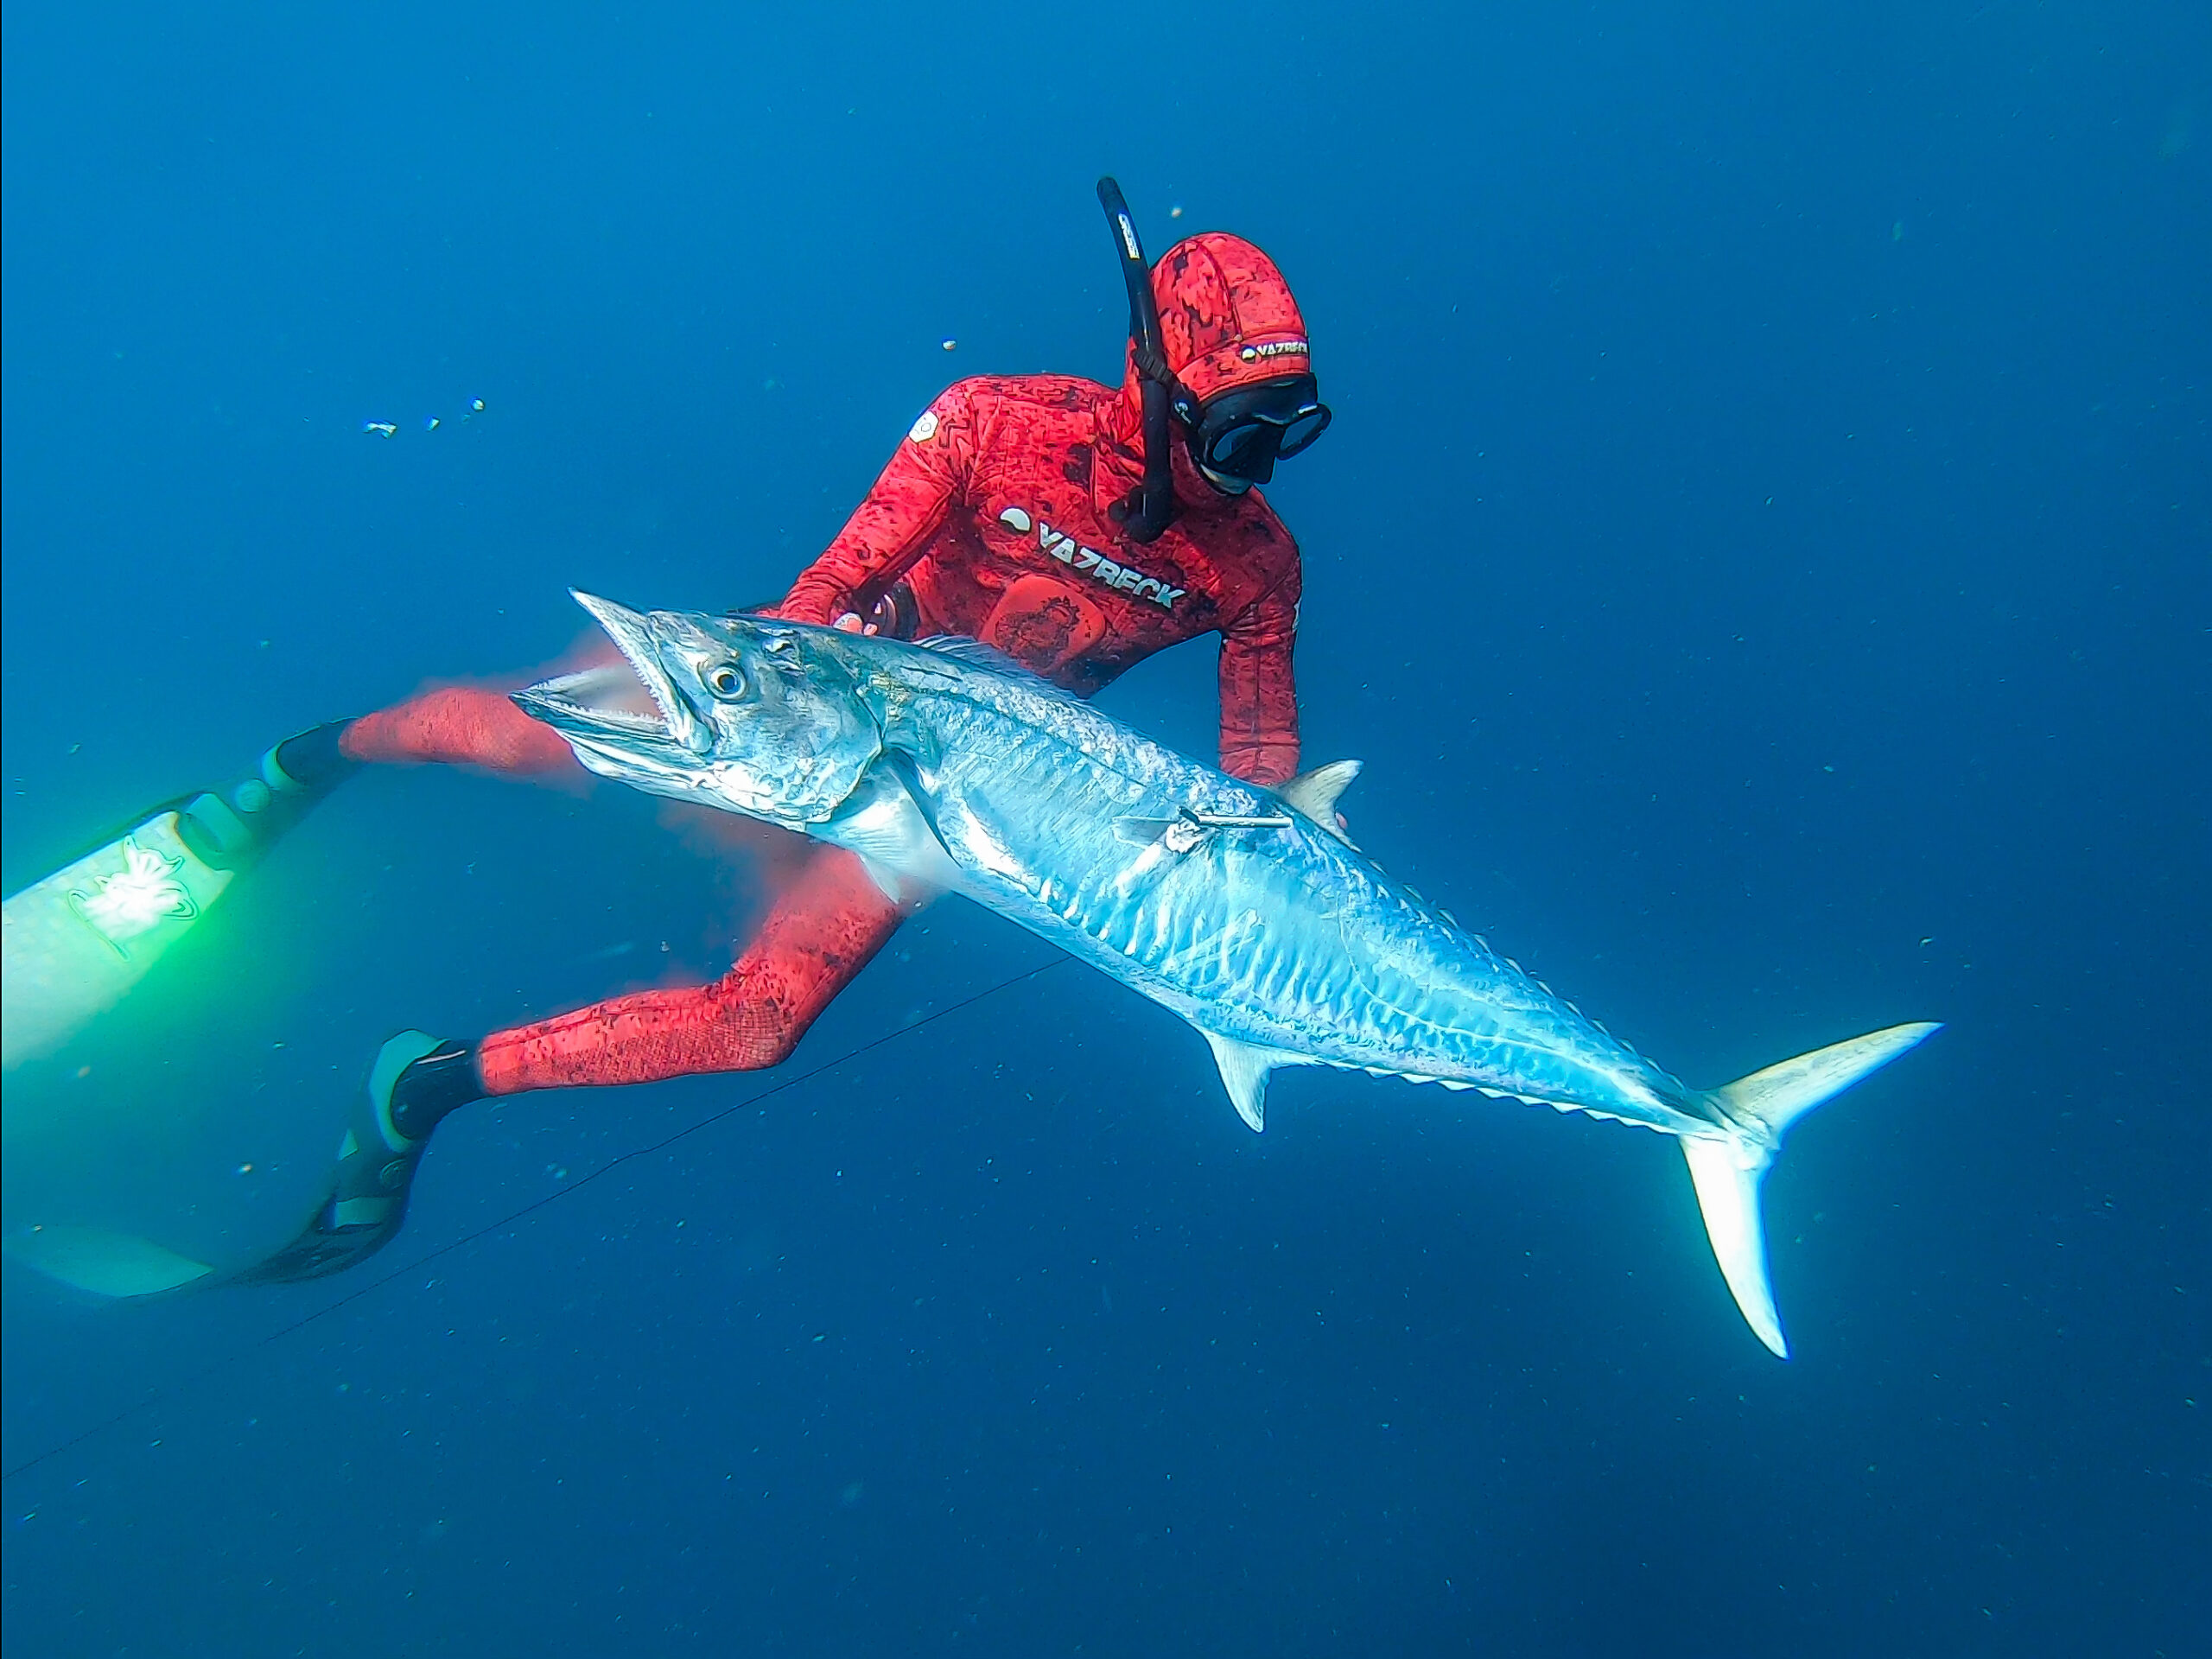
612, 702
609, 692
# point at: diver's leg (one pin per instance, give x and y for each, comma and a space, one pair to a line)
458, 725
818, 936
820, 932
477, 725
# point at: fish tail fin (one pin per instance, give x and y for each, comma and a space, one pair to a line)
1728, 1169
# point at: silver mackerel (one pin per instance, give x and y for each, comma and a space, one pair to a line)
1241, 909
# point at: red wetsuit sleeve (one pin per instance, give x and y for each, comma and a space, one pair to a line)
927, 476
1259, 694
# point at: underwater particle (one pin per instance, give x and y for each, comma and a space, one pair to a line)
949, 345
476, 405
244, 1169
1897, 230
382, 429
1176, 212
431, 424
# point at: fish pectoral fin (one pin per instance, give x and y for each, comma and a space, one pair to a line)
1244, 1068
1191, 830
1315, 792
1180, 835
1140, 832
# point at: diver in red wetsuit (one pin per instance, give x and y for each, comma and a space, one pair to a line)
1077, 527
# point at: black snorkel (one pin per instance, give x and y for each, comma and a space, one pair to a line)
1149, 509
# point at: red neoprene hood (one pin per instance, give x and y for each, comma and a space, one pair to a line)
1226, 316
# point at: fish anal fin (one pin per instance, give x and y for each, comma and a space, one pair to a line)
1244, 1068
1244, 1073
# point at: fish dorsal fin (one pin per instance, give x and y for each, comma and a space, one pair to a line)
1315, 793
976, 654
962, 648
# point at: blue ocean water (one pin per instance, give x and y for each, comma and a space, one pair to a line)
1763, 555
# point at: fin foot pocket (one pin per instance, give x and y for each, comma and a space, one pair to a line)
230, 826
376, 1164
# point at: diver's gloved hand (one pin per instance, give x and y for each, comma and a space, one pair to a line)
415, 1081
230, 826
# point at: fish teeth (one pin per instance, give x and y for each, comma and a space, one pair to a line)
650, 680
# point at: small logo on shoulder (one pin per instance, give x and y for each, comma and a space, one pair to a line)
1275, 348
924, 427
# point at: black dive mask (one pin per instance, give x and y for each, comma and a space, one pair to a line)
1238, 436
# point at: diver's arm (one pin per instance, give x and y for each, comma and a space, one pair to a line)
925, 476
1259, 693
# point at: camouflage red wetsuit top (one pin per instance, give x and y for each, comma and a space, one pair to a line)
994, 517
992, 520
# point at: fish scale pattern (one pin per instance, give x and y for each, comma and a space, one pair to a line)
1287, 940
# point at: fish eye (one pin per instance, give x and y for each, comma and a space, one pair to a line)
725, 682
